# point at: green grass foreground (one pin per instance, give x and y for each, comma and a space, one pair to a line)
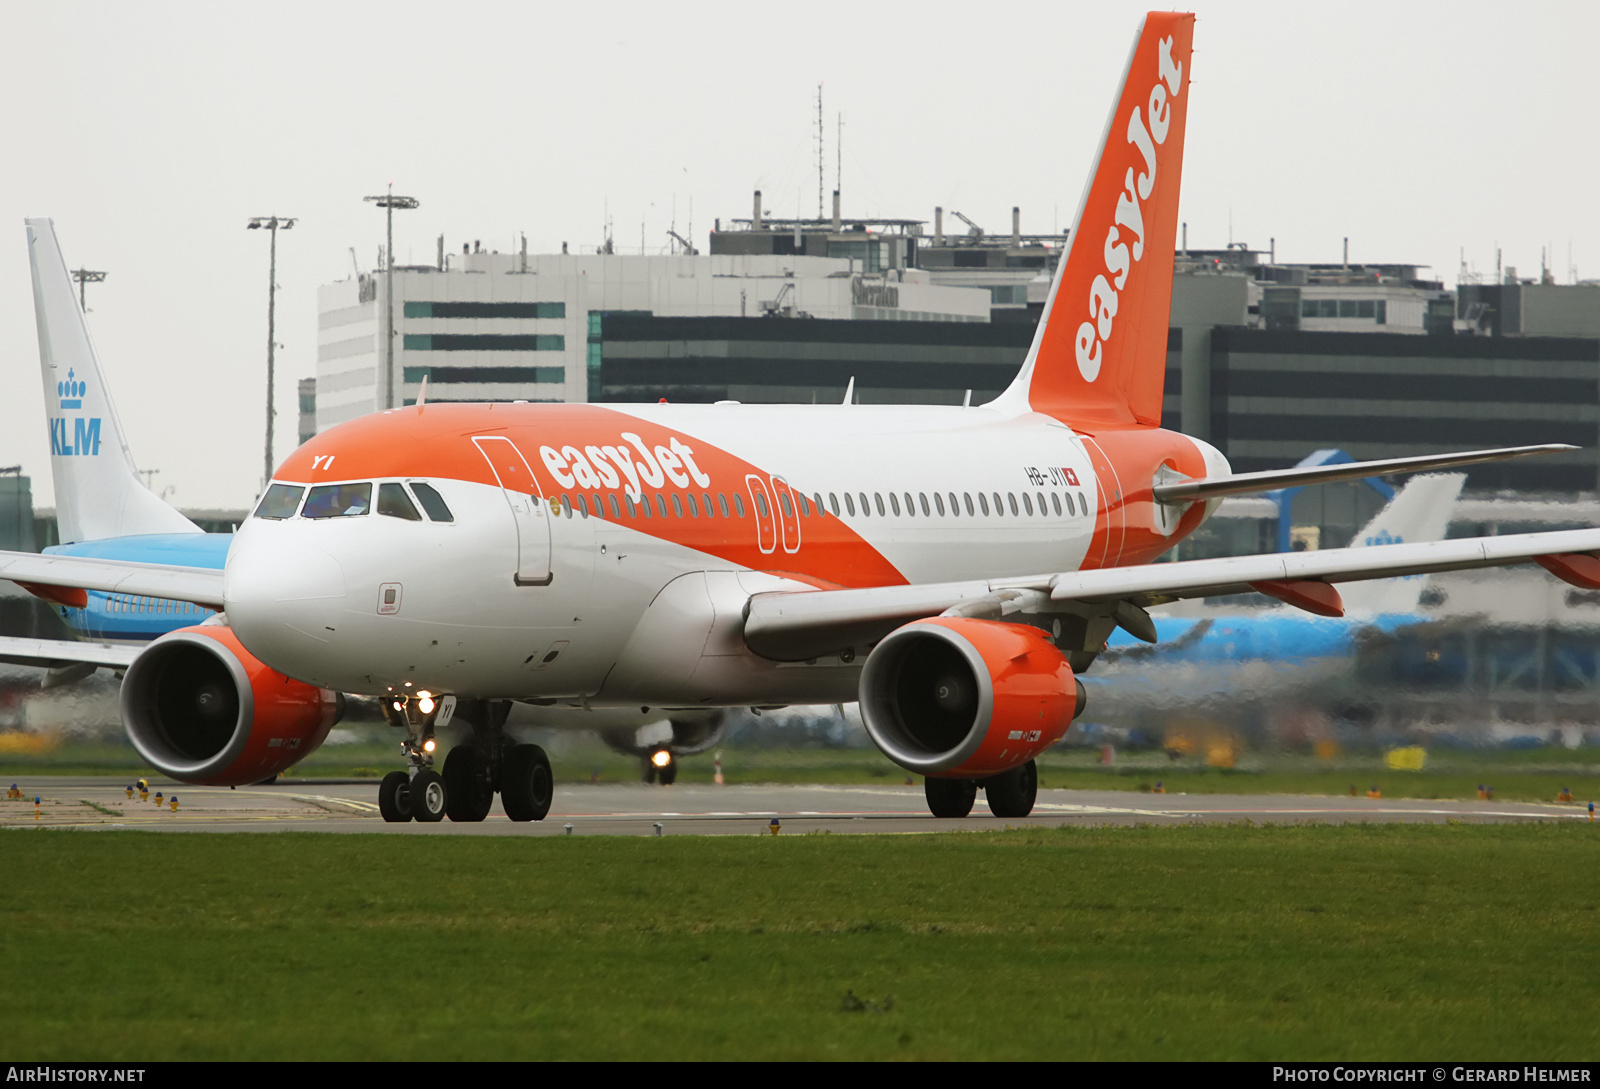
1201, 942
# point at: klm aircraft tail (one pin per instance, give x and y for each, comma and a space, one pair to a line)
98, 490
1419, 512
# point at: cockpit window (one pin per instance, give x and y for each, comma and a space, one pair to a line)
338, 500
432, 502
281, 501
393, 501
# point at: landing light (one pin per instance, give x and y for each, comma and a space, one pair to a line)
425, 705
429, 745
661, 758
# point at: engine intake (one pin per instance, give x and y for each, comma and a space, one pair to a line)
964, 698
202, 709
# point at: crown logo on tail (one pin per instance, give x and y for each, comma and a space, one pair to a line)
71, 391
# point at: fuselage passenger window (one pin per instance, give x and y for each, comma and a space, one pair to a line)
1013, 497
1084, 503
393, 501
432, 502
722, 501
926, 511
850, 504
1027, 504
1055, 500
616, 513
894, 504
879, 497
833, 503
677, 505
661, 505
711, 508
938, 502
761, 505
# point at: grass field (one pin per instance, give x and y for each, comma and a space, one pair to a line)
1311, 942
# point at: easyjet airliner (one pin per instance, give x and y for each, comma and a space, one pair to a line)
953, 569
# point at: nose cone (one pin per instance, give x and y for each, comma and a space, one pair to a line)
285, 600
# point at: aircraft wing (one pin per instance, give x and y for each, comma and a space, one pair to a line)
201, 585
60, 653
802, 625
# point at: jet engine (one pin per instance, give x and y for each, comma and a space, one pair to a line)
687, 733
956, 697
201, 709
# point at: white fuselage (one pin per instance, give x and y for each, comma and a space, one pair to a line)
644, 610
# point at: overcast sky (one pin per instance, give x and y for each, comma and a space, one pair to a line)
151, 132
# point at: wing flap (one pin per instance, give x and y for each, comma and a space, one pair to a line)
201, 585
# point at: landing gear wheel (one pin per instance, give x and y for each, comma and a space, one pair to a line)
394, 797
1012, 793
950, 797
468, 791
428, 796
526, 784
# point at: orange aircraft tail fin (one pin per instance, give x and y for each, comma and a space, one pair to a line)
1099, 355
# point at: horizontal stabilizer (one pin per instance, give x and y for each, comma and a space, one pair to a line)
1247, 483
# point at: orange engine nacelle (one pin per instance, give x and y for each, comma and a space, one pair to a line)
201, 709
965, 699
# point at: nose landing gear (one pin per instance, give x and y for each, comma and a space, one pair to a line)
473, 771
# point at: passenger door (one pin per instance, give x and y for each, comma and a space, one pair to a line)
528, 510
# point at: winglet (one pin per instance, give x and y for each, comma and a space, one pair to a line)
1099, 355
98, 490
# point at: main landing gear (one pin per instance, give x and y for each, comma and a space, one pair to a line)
1010, 794
474, 771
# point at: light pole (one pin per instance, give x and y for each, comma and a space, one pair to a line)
85, 276
272, 224
389, 202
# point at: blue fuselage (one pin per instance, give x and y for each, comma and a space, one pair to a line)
124, 618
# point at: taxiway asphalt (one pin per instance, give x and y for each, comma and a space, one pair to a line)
633, 809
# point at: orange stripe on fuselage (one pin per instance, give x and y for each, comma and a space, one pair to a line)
435, 441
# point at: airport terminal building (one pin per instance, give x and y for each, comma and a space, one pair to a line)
1268, 361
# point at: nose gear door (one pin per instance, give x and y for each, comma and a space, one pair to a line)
526, 499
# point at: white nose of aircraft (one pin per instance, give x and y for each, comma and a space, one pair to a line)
285, 599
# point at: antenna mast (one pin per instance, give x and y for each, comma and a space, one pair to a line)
821, 158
